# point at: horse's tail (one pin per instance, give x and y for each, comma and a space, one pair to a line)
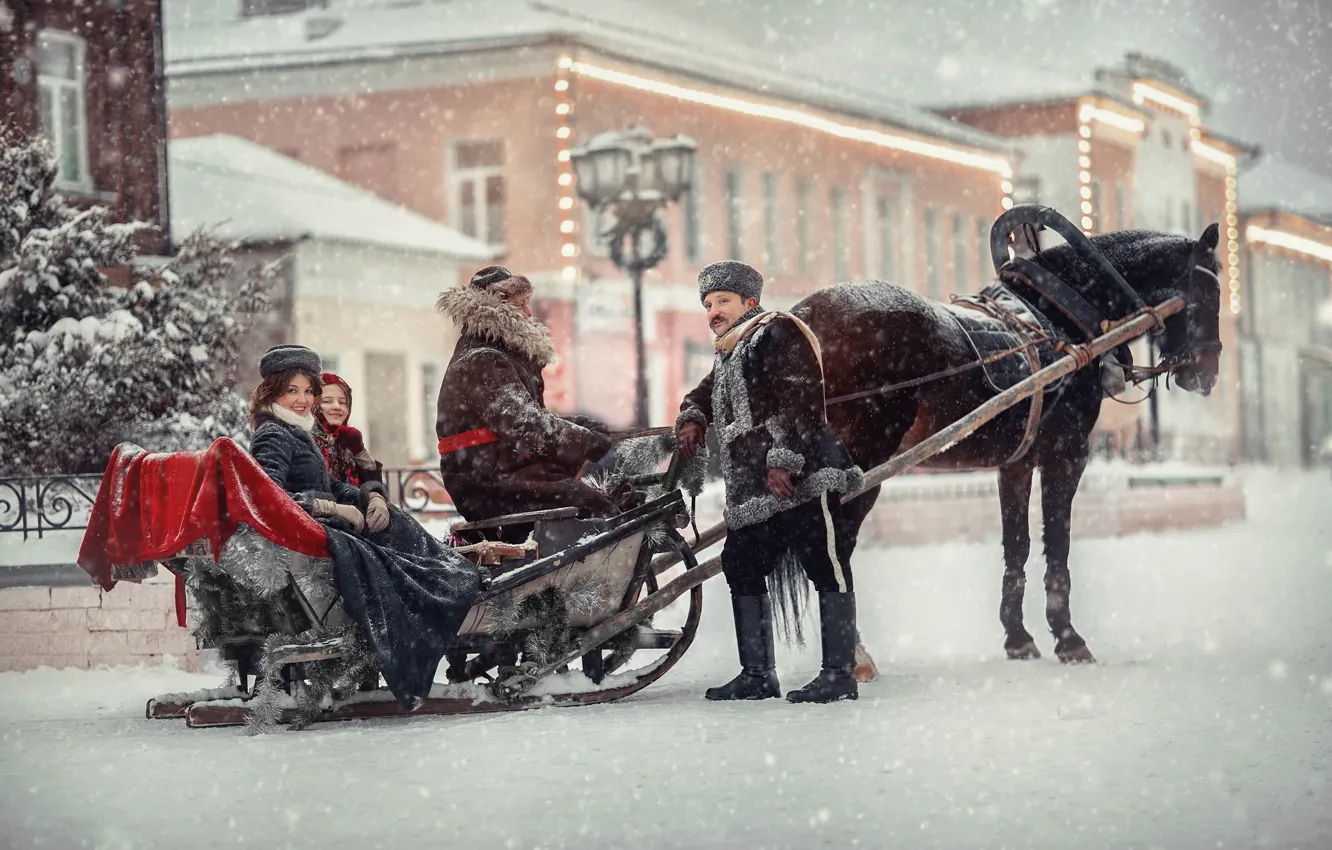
789, 589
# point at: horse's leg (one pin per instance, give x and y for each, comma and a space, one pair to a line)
1014, 506
1059, 483
851, 515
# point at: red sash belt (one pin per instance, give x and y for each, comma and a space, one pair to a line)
467, 439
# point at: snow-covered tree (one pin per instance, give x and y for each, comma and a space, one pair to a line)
85, 364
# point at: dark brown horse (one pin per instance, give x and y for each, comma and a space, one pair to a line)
876, 334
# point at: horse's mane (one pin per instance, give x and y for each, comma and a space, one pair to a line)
1149, 260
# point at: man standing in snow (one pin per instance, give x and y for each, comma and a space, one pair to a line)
784, 470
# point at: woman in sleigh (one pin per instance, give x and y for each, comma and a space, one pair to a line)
406, 591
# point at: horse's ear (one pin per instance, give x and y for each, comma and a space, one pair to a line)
1211, 237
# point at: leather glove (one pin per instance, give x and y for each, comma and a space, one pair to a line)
689, 438
376, 514
350, 438
779, 482
350, 513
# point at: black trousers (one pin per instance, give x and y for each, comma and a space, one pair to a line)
815, 533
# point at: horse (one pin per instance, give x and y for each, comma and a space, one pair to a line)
876, 335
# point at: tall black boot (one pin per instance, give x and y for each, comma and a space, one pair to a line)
753, 636
837, 628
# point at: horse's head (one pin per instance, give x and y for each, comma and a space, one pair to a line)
1158, 266
1191, 344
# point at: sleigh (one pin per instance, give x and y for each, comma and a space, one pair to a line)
562, 618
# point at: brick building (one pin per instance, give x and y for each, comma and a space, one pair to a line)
465, 112
1133, 150
87, 74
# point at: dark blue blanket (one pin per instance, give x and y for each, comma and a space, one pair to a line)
409, 593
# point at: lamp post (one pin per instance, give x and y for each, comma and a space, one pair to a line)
633, 176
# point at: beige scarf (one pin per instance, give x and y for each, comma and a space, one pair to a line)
727, 342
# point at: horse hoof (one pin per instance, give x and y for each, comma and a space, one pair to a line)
1026, 652
1080, 655
866, 669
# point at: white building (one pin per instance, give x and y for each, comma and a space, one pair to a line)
1286, 332
360, 276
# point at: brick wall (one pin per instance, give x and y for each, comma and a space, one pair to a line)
84, 627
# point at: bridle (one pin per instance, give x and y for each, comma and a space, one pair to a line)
1189, 351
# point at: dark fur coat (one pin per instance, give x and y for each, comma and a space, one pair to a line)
494, 381
765, 399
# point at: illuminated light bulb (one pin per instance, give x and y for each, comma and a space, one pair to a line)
1084, 176
1084, 146
1087, 207
1086, 193
1006, 202
566, 203
566, 226
1084, 161
1084, 131
563, 133
570, 272
1281, 239
562, 156
568, 249
1006, 187
1087, 222
561, 85
1232, 232
566, 62
562, 109
566, 179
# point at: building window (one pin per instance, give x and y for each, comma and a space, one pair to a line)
932, 258
772, 243
693, 219
735, 215
960, 264
330, 362
476, 181
60, 87
802, 225
1121, 207
841, 251
887, 234
431, 378
1027, 190
986, 266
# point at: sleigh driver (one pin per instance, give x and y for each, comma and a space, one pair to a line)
784, 470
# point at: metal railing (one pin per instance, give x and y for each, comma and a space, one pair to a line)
35, 505
39, 504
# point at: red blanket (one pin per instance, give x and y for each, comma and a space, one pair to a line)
152, 505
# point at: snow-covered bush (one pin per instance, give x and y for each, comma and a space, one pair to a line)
84, 364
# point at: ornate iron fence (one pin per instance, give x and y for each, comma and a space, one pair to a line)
40, 504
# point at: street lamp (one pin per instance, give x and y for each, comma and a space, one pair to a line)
633, 176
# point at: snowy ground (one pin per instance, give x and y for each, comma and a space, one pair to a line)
1208, 723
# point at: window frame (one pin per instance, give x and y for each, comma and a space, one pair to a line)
80, 88
477, 176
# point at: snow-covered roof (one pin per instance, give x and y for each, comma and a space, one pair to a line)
244, 191
1274, 184
199, 43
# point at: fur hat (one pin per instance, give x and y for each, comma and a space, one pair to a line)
730, 276
280, 358
501, 280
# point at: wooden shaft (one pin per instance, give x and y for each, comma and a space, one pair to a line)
967, 425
